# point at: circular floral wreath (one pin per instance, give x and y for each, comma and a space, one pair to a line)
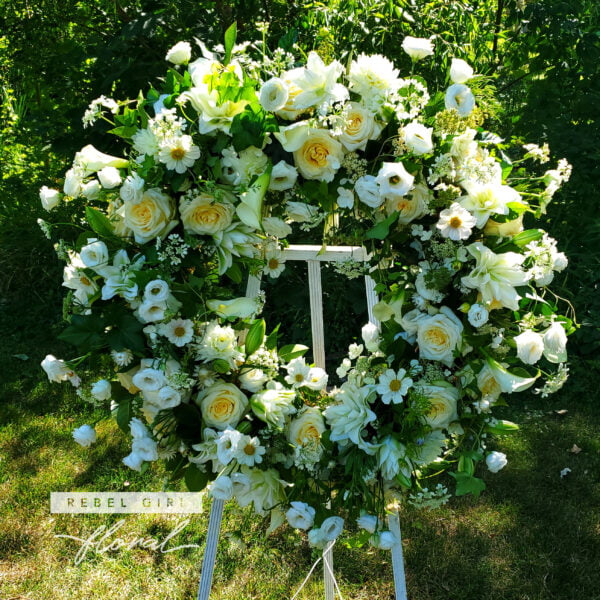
233, 157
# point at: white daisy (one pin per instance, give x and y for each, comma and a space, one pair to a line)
274, 262
298, 373
456, 222
179, 153
178, 331
249, 451
393, 386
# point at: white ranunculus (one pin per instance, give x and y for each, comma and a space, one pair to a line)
283, 177
478, 315
49, 198
222, 405
417, 48
460, 98
273, 406
439, 336
370, 335
85, 435
91, 160
443, 398
109, 177
417, 138
530, 346
274, 94
394, 180
331, 528
359, 127
180, 53
300, 515
152, 217
221, 488
367, 190
242, 308
94, 254
91, 189
102, 390
276, 227
253, 380
555, 343
496, 461
73, 183
460, 71
132, 189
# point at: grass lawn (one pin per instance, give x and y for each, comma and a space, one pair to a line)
532, 535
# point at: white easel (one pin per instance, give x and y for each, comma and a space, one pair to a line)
313, 256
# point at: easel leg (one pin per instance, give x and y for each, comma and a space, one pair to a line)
397, 557
210, 552
328, 571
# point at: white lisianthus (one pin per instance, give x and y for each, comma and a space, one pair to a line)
228, 442
179, 153
91, 160
241, 486
222, 405
109, 177
555, 343
460, 98
49, 198
417, 138
530, 346
180, 53
350, 415
460, 71
283, 177
91, 189
417, 48
157, 290
274, 94
149, 379
307, 428
94, 254
456, 222
496, 461
73, 183
145, 447
368, 522
132, 189
412, 206
75, 278
331, 528
101, 390
496, 276
384, 540
393, 386
221, 488
394, 180
359, 127
152, 217
276, 227
151, 311
300, 515
178, 331
370, 335
478, 315
391, 458
57, 371
168, 397
439, 336
443, 398
367, 190
253, 380
85, 435
315, 538
345, 197
486, 200
273, 406
242, 308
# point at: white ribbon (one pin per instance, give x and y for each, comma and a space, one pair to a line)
397, 556
210, 552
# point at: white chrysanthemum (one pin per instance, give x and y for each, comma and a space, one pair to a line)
145, 142
178, 331
219, 342
122, 358
456, 222
374, 78
393, 386
179, 153
298, 372
274, 262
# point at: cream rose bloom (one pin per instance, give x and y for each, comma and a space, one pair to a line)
222, 405
203, 215
438, 336
150, 218
307, 428
443, 398
413, 206
359, 128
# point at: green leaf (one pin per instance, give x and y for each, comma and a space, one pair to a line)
98, 222
230, 38
256, 336
291, 351
124, 131
125, 414
466, 465
382, 230
234, 273
467, 484
195, 479
126, 333
85, 332
271, 341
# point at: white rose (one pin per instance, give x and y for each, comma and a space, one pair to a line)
320, 156
273, 406
367, 190
102, 390
438, 336
460, 71
417, 138
109, 177
221, 488
460, 98
307, 428
276, 227
132, 189
94, 254
91, 189
412, 206
555, 343
443, 400
496, 461
360, 126
150, 218
370, 335
478, 315
300, 515
283, 177
180, 53
274, 94
49, 198
331, 528
394, 180
85, 435
417, 48
530, 346
222, 405
204, 216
